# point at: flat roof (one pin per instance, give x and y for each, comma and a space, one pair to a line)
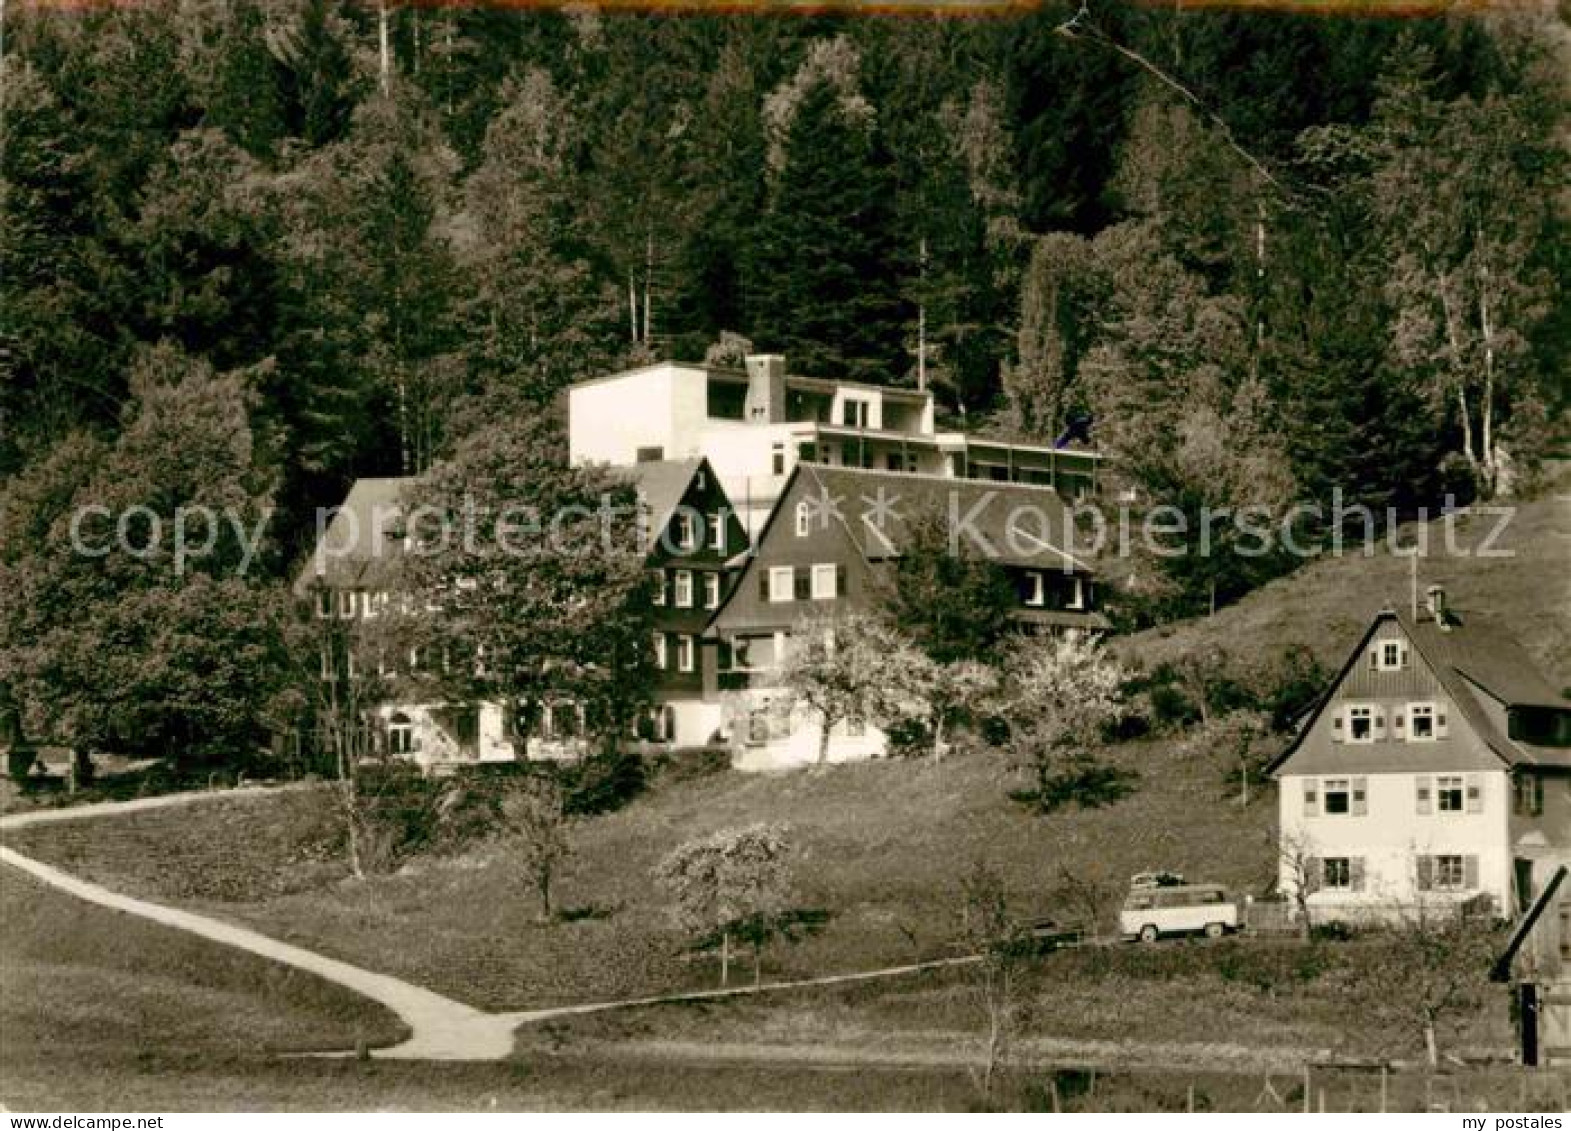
820, 384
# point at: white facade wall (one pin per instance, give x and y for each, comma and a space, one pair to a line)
1389, 837
434, 744
794, 736
696, 721
742, 456
608, 421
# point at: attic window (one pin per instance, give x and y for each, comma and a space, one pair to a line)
1390, 656
804, 518
1035, 594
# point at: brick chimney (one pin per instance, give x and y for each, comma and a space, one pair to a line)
765, 388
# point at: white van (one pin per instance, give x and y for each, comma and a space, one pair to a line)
1182, 909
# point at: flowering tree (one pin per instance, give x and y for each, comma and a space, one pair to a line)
1062, 691
849, 667
728, 884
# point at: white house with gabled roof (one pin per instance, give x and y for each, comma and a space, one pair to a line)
1435, 770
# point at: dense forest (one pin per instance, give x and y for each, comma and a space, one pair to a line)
252, 249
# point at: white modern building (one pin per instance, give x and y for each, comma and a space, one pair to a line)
755, 424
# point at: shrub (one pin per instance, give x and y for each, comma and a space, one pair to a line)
1171, 708
603, 782
691, 763
1290, 686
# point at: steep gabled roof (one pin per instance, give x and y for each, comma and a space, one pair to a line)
1471, 658
1015, 524
1490, 657
662, 485
358, 549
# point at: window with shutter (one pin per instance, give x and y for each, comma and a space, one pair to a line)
1398, 722
1311, 799
1356, 873
1374, 659
1441, 730
802, 583
1475, 795
1538, 795
824, 579
1470, 873
1336, 727
1380, 722
781, 584
1426, 881
1360, 797
1422, 722
1424, 787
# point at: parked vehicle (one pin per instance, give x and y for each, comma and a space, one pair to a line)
1151, 911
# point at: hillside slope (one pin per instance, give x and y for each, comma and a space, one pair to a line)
1325, 605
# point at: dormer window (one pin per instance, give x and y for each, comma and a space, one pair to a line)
1036, 595
1077, 593
717, 531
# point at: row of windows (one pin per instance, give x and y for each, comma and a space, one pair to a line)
1433, 873
684, 647
767, 723
681, 592
685, 532
1036, 591
820, 582
351, 604
1349, 797
418, 663
1367, 722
